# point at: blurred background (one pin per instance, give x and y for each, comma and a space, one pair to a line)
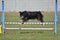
29, 5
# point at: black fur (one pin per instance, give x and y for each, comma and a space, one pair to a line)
26, 15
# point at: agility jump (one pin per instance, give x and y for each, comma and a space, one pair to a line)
55, 23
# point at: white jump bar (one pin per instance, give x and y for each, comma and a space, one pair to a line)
30, 28
29, 23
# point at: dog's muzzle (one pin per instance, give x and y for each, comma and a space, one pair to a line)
22, 17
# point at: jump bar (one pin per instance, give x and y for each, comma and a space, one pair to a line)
29, 28
29, 23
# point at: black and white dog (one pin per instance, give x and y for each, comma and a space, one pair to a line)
26, 15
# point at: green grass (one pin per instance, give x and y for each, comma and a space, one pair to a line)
29, 34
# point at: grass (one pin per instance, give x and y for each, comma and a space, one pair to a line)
29, 34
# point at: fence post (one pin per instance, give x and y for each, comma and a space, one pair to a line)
3, 16
56, 17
